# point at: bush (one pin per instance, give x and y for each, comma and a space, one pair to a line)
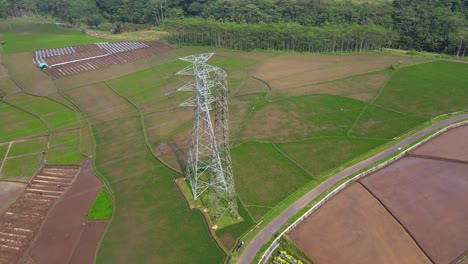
106, 26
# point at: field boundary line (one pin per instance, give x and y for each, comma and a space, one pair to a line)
5, 157
396, 219
423, 139
358, 118
142, 121
284, 155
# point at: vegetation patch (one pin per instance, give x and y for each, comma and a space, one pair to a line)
320, 155
29, 42
18, 124
28, 76
378, 122
21, 168
288, 249
264, 177
427, 89
100, 103
363, 87
55, 115
302, 117
30, 146
101, 208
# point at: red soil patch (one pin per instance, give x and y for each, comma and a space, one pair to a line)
354, 233
449, 145
429, 198
86, 247
66, 231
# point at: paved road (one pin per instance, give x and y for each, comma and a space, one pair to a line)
262, 237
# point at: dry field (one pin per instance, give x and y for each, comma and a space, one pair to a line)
293, 70
354, 227
423, 194
426, 194
100, 103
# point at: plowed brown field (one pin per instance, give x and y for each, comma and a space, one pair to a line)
419, 200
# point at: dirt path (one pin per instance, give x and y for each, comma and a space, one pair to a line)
262, 237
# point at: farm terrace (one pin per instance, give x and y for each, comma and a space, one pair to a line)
65, 61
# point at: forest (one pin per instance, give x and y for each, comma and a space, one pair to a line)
294, 25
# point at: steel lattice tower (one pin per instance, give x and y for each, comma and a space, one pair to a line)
209, 167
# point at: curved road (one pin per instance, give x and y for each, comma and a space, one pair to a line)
262, 237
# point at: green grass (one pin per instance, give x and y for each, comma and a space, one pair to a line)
322, 154
102, 207
427, 89
64, 156
35, 28
31, 146
264, 177
378, 122
18, 124
149, 89
70, 139
30, 42
303, 117
55, 115
21, 168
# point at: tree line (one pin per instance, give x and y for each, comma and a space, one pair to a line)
303, 25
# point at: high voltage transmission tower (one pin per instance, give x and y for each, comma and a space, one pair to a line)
209, 167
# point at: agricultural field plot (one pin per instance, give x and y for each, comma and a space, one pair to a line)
427, 89
64, 148
379, 122
99, 103
446, 146
426, 194
18, 124
23, 160
7, 86
26, 75
66, 230
21, 221
302, 117
292, 70
319, 155
65, 61
348, 229
27, 37
362, 87
55, 116
260, 164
